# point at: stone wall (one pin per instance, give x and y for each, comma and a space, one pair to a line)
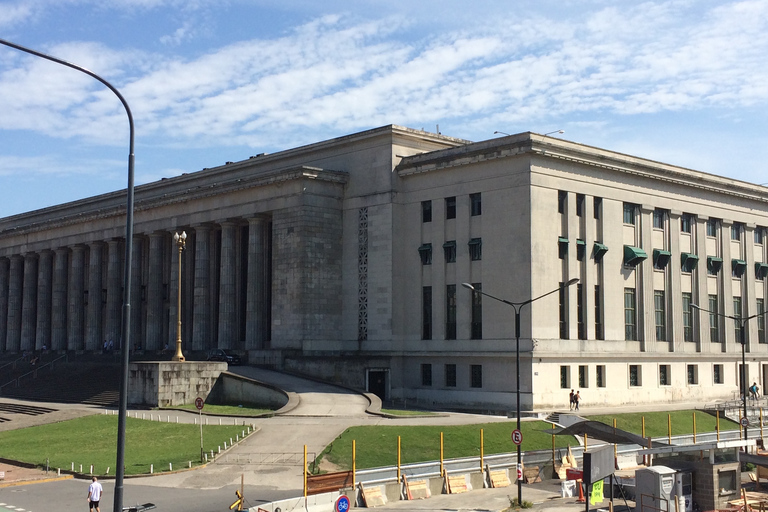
169, 383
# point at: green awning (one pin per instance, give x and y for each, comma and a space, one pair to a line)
738, 266
633, 255
661, 258
562, 240
599, 250
688, 261
425, 247
761, 270
580, 242
448, 245
714, 264
475, 241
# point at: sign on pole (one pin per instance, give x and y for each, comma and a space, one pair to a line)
199, 402
517, 437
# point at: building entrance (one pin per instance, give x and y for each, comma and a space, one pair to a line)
377, 383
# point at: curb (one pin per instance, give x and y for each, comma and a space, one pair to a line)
36, 481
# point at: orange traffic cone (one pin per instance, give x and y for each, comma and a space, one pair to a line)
581, 499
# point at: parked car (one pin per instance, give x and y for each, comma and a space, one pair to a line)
226, 356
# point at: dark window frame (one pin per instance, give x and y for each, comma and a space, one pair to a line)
426, 374
475, 204
426, 211
450, 375
476, 376
450, 207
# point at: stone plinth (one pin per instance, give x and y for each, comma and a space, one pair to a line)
169, 383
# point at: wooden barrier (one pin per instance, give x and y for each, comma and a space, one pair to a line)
500, 478
329, 482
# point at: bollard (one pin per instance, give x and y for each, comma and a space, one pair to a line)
230, 442
190, 464
219, 448
225, 445
58, 471
206, 458
73, 467
243, 433
81, 468
170, 466
195, 420
152, 469
237, 438
211, 454
169, 418
219, 421
107, 472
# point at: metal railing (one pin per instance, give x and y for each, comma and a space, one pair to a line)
50, 365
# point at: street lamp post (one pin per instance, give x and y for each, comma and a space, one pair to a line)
181, 241
742, 323
517, 306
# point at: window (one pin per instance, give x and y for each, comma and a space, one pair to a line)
581, 249
760, 309
562, 201
477, 312
714, 320
635, 375
687, 316
712, 227
426, 374
737, 315
759, 235
450, 313
426, 313
582, 326
736, 231
717, 374
661, 259
475, 205
660, 315
600, 375
630, 315
450, 375
449, 251
738, 267
425, 253
476, 249
583, 376
693, 374
579, 205
686, 220
563, 313
714, 264
562, 247
658, 219
597, 204
664, 375
426, 211
450, 207
565, 377
629, 213
476, 375
598, 314
688, 262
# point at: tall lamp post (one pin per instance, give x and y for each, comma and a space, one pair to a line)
742, 322
517, 306
181, 241
126, 325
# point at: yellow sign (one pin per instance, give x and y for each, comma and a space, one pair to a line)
597, 493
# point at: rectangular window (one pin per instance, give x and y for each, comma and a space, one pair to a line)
476, 249
759, 235
450, 313
581, 249
630, 315
600, 375
426, 211
686, 221
658, 219
450, 375
426, 313
565, 377
425, 253
449, 251
737, 315
736, 231
712, 227
582, 326
693, 374
629, 213
477, 312
714, 320
562, 201
760, 309
583, 376
598, 314
597, 205
426, 374
563, 313
579, 205
450, 207
475, 205
476, 375
635, 375
717, 373
660, 310
687, 317
664, 375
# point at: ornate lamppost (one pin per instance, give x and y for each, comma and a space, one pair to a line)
181, 241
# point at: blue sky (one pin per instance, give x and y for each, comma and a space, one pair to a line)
679, 81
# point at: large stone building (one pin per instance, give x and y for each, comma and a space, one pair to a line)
345, 260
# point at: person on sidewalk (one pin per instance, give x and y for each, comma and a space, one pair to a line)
570, 400
576, 400
94, 495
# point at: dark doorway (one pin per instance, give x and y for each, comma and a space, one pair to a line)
377, 383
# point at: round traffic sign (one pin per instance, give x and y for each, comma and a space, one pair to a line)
342, 504
517, 437
199, 403
744, 422
519, 472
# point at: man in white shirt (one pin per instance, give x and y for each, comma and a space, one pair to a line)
94, 495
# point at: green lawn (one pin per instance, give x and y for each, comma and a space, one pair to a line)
231, 410
408, 412
93, 440
656, 422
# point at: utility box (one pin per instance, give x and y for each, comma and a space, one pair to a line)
655, 489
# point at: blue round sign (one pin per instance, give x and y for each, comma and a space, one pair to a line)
342, 504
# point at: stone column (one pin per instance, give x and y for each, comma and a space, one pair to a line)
59, 301
44, 299
15, 287
94, 340
76, 314
114, 292
255, 325
154, 337
3, 302
202, 308
227, 287
137, 334
29, 302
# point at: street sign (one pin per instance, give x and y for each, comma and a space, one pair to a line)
744, 422
199, 403
517, 437
519, 472
342, 504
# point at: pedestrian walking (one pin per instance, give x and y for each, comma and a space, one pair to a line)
576, 400
94, 495
570, 400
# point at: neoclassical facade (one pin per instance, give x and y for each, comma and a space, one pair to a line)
345, 260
